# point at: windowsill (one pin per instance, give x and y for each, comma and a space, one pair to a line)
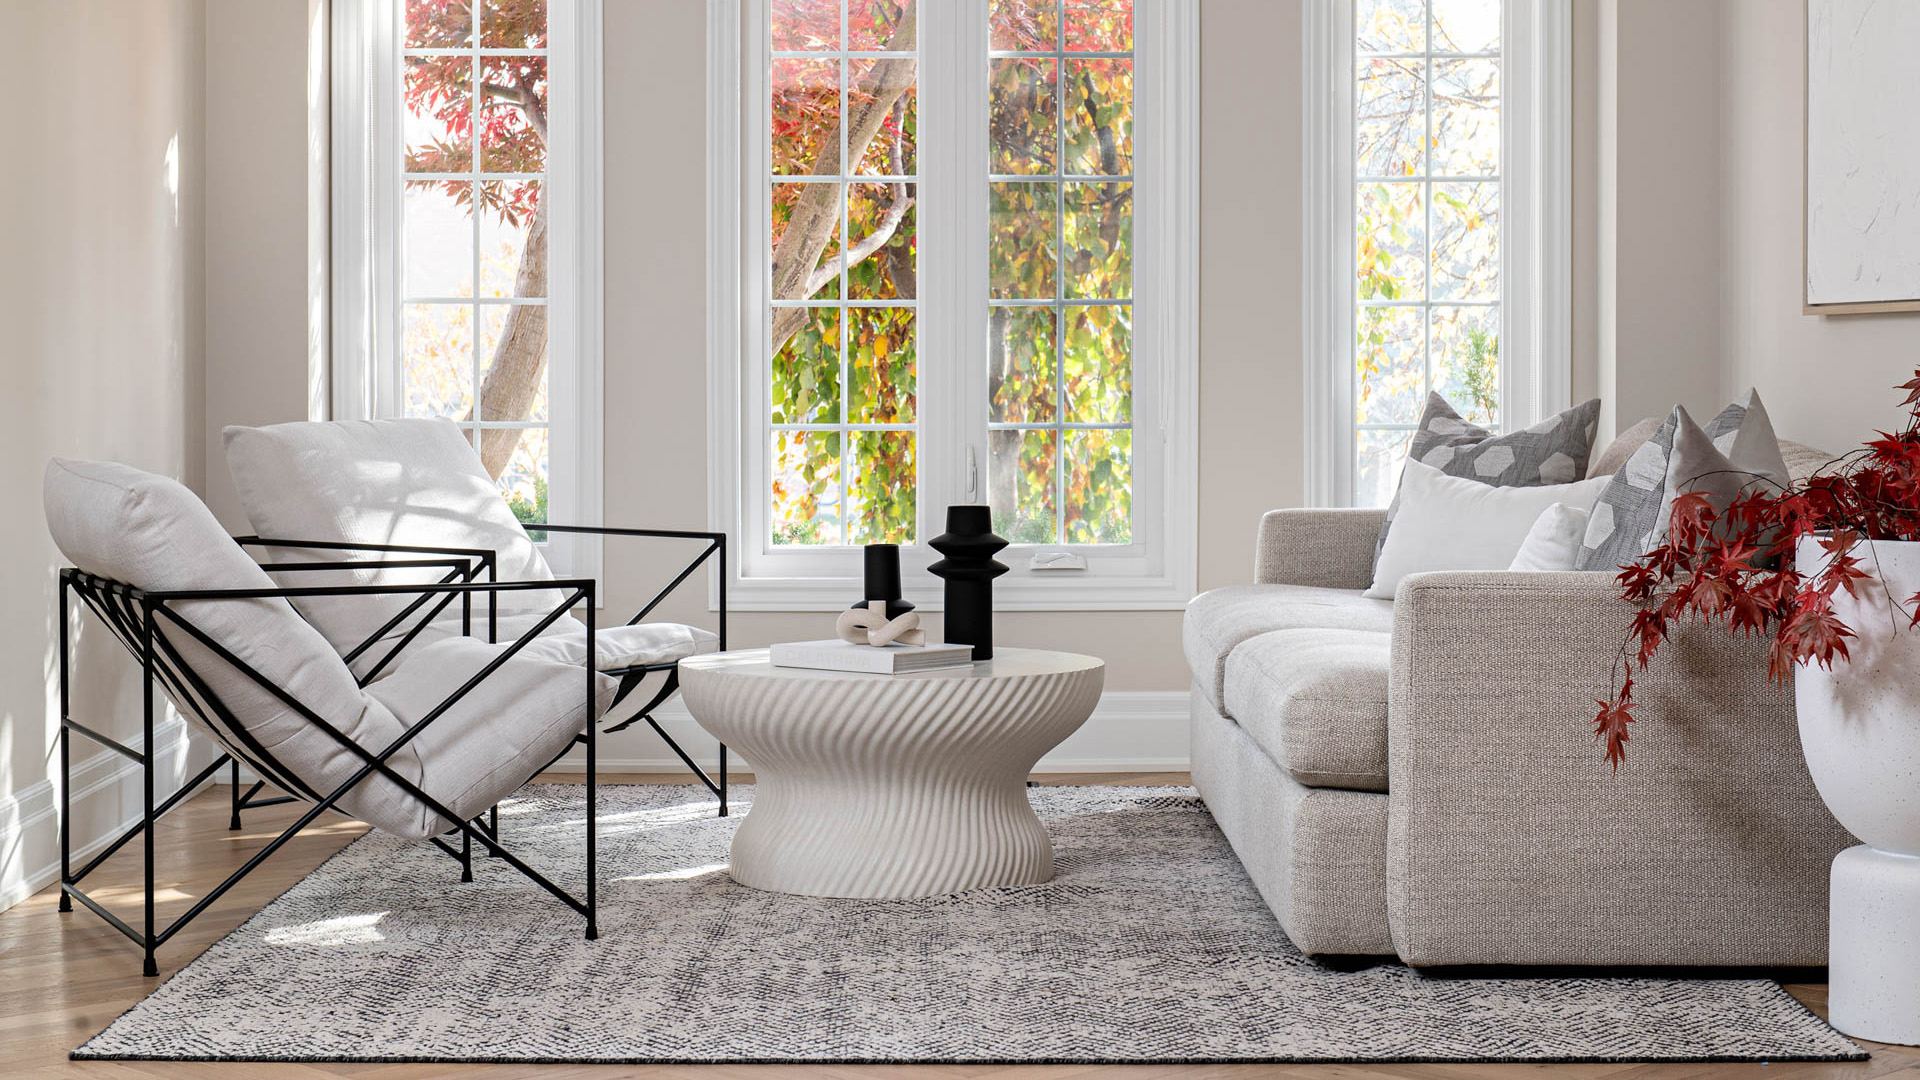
1015, 591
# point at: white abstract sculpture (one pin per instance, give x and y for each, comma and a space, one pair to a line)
870, 626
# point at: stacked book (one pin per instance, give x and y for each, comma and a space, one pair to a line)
836, 655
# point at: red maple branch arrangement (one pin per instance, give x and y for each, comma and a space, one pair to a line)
1735, 566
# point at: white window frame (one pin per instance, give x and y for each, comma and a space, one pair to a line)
1156, 571
1536, 241
367, 160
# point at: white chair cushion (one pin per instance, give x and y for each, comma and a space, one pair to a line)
565, 642
152, 533
488, 743
622, 646
412, 482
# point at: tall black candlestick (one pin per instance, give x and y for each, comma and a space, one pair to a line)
969, 569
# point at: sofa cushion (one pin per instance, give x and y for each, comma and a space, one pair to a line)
1733, 454
1316, 701
1553, 451
1219, 620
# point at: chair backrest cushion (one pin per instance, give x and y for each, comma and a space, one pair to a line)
415, 482
150, 532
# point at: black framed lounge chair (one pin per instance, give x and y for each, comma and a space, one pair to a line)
356, 494
422, 752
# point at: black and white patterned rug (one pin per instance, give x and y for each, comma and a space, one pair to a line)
1149, 945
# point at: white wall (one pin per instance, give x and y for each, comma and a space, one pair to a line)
101, 296
264, 337
1826, 379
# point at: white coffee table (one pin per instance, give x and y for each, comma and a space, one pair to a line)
891, 785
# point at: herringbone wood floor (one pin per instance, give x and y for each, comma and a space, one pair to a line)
64, 977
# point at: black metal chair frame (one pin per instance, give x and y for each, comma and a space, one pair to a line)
134, 616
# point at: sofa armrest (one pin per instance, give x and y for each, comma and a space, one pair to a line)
1331, 549
1511, 842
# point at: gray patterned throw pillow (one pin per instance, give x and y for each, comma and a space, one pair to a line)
1735, 451
1553, 451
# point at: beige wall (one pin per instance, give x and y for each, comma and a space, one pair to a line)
1826, 379
260, 258
1657, 237
100, 294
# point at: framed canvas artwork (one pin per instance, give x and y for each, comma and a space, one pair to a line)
1862, 183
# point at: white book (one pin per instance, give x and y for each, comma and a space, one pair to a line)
836, 655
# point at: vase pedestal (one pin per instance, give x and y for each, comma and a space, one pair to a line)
1873, 946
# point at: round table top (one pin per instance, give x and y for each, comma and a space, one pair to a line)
1006, 664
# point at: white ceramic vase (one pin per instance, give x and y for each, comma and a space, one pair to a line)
1860, 728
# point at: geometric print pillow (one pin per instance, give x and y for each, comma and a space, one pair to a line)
1735, 453
1553, 451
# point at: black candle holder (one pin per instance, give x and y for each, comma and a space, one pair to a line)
882, 569
969, 569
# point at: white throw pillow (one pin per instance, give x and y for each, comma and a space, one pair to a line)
1452, 523
1554, 541
411, 482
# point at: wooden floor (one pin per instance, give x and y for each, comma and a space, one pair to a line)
64, 977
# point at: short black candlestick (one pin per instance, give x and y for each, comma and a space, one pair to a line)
969, 569
883, 579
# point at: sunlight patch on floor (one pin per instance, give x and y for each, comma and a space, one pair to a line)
686, 873
345, 930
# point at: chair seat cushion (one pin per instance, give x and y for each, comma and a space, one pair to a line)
1316, 702
518, 719
619, 646
1220, 620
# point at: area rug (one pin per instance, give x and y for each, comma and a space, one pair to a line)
1150, 945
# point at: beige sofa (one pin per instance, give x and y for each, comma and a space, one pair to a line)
1417, 776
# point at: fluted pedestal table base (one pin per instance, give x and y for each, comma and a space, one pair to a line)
891, 785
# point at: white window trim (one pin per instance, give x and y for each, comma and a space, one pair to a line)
366, 249
1156, 574
1536, 222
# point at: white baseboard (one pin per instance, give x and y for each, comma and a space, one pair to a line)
1129, 731
105, 803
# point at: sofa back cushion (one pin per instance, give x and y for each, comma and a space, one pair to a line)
1553, 451
1452, 523
150, 532
1734, 452
414, 482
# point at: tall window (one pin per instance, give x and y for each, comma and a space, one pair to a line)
466, 235
844, 75
473, 251
940, 304
1446, 165
1060, 252
1426, 223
